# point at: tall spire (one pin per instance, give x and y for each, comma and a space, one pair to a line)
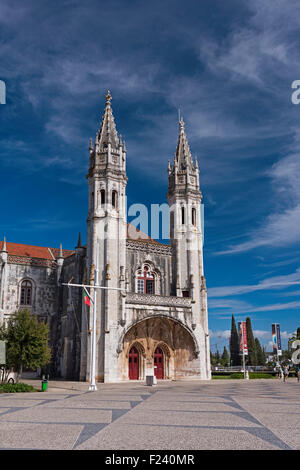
108, 133
4, 245
183, 155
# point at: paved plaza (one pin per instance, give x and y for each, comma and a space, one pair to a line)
188, 415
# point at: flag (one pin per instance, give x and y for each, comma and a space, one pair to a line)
243, 337
87, 300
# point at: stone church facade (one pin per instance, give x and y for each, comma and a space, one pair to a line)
156, 321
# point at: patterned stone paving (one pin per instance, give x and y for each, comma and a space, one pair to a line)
260, 414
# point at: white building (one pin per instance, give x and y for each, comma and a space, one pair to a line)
157, 322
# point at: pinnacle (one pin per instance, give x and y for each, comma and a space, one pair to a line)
108, 133
183, 154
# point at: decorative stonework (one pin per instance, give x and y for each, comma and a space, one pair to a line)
137, 245
12, 259
150, 299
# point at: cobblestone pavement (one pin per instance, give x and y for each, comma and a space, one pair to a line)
188, 415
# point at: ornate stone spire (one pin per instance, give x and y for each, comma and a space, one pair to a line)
108, 133
183, 156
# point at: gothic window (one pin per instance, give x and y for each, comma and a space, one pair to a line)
92, 201
102, 197
114, 199
146, 281
194, 216
171, 224
182, 216
26, 293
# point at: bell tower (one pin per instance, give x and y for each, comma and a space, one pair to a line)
186, 238
106, 239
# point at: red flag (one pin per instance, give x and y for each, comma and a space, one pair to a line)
86, 299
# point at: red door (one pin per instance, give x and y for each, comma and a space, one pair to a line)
133, 364
158, 363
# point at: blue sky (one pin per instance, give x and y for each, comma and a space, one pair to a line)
228, 66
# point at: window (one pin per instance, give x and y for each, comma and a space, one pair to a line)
145, 281
114, 199
194, 216
26, 293
150, 286
102, 197
140, 286
171, 224
182, 216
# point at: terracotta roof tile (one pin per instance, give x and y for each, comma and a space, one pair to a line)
31, 251
134, 234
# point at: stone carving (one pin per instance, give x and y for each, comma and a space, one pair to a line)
151, 299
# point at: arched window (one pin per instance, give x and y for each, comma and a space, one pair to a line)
92, 201
194, 216
102, 197
172, 224
182, 216
114, 195
145, 281
26, 293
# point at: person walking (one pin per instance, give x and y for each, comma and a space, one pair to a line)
285, 373
298, 373
280, 374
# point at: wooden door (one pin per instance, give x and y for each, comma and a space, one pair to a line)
133, 364
158, 363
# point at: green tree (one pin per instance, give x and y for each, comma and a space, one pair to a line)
252, 356
27, 342
298, 333
234, 346
225, 358
260, 355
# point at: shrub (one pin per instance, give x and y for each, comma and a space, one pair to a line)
237, 375
260, 375
16, 388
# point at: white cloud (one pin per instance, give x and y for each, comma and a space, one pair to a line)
282, 226
220, 334
275, 282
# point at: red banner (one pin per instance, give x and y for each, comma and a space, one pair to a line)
243, 337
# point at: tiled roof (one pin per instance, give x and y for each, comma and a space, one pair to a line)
31, 251
135, 234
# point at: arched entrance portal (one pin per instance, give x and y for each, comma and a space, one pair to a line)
133, 365
158, 363
158, 346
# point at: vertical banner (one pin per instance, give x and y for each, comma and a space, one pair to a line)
276, 339
279, 350
243, 337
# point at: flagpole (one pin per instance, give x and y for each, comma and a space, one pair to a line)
93, 386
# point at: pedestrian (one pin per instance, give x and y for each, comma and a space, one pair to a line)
285, 373
298, 373
280, 373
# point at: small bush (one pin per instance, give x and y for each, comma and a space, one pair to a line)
16, 388
237, 375
260, 375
